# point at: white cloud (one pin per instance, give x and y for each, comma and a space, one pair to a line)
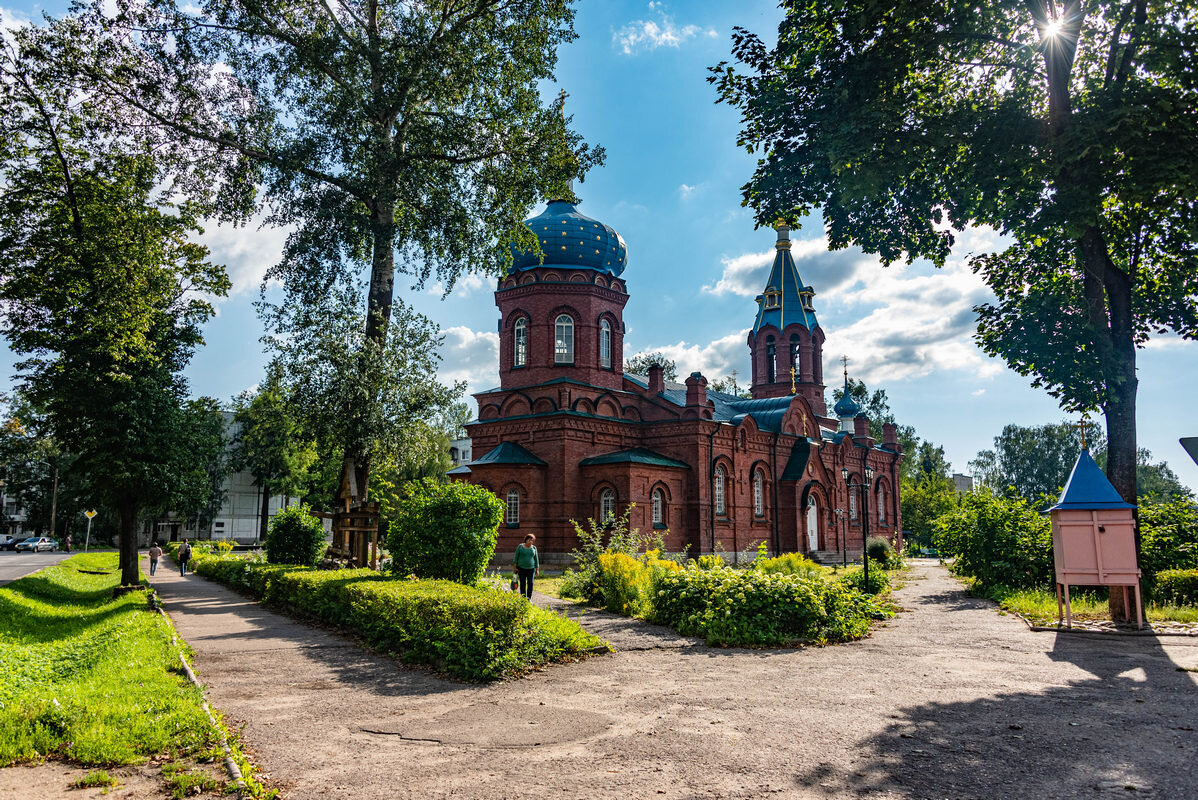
716, 359
685, 191
247, 252
977, 393
471, 356
906, 321
649, 34
12, 18
464, 285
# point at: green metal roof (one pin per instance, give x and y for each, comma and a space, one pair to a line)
637, 455
509, 453
796, 465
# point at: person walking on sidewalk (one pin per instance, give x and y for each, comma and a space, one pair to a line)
527, 564
155, 554
184, 557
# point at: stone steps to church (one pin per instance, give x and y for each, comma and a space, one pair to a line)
831, 557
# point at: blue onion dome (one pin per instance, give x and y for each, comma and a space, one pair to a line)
846, 406
570, 239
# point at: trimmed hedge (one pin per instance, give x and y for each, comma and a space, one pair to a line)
750, 607
472, 632
1178, 587
445, 531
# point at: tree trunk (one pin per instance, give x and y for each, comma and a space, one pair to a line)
127, 512
264, 513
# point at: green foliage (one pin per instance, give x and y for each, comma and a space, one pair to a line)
639, 365
270, 443
295, 537
731, 607
788, 564
626, 583
1000, 541
710, 561
95, 779
68, 651
879, 581
905, 122
926, 498
1168, 537
597, 538
445, 531
879, 549
1177, 587
472, 632
1033, 461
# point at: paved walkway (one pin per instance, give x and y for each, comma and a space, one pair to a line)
950, 699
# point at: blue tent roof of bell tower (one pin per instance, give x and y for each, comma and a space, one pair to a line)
781, 303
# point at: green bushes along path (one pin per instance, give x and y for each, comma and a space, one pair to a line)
90, 678
472, 632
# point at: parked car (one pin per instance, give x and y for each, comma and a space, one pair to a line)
8, 541
35, 544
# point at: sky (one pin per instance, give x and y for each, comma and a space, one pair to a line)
671, 185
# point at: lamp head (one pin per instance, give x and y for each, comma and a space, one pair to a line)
844, 471
869, 474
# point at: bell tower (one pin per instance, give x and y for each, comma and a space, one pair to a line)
787, 342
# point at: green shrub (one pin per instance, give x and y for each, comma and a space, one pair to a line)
597, 538
295, 537
879, 581
472, 632
625, 584
1178, 587
791, 564
710, 562
880, 549
1000, 541
444, 531
753, 607
1168, 537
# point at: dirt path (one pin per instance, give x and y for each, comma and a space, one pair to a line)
948, 700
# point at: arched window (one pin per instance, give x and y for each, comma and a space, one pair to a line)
771, 358
605, 344
659, 512
758, 494
563, 340
521, 346
721, 506
794, 353
607, 505
853, 504
513, 507
881, 504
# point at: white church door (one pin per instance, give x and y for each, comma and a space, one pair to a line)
812, 525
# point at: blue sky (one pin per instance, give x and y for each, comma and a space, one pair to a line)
671, 186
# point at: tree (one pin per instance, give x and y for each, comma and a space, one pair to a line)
640, 363
385, 132
1067, 126
270, 444
102, 293
1155, 482
728, 385
876, 407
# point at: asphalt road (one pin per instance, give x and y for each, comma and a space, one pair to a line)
15, 565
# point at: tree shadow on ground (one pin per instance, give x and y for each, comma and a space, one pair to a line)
1129, 728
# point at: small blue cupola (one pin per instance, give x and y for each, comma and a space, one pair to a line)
785, 301
1088, 488
846, 408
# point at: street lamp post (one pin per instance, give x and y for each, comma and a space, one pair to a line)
844, 538
865, 487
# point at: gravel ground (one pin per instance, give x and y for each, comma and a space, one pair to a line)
948, 700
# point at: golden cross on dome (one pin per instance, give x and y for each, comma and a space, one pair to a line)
845, 360
792, 380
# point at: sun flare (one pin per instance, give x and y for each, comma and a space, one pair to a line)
1052, 29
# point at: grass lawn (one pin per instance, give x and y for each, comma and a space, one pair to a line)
1040, 606
88, 678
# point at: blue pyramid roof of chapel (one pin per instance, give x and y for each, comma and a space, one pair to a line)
786, 300
1088, 488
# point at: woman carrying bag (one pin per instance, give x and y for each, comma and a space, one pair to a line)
527, 564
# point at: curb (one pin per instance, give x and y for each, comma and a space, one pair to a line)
1031, 626
230, 765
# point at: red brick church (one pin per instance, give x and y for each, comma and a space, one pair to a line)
569, 435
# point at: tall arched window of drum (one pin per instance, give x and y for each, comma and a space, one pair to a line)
563, 340
605, 344
794, 352
659, 517
607, 506
520, 357
771, 361
758, 494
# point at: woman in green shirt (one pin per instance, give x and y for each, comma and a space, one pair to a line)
527, 564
